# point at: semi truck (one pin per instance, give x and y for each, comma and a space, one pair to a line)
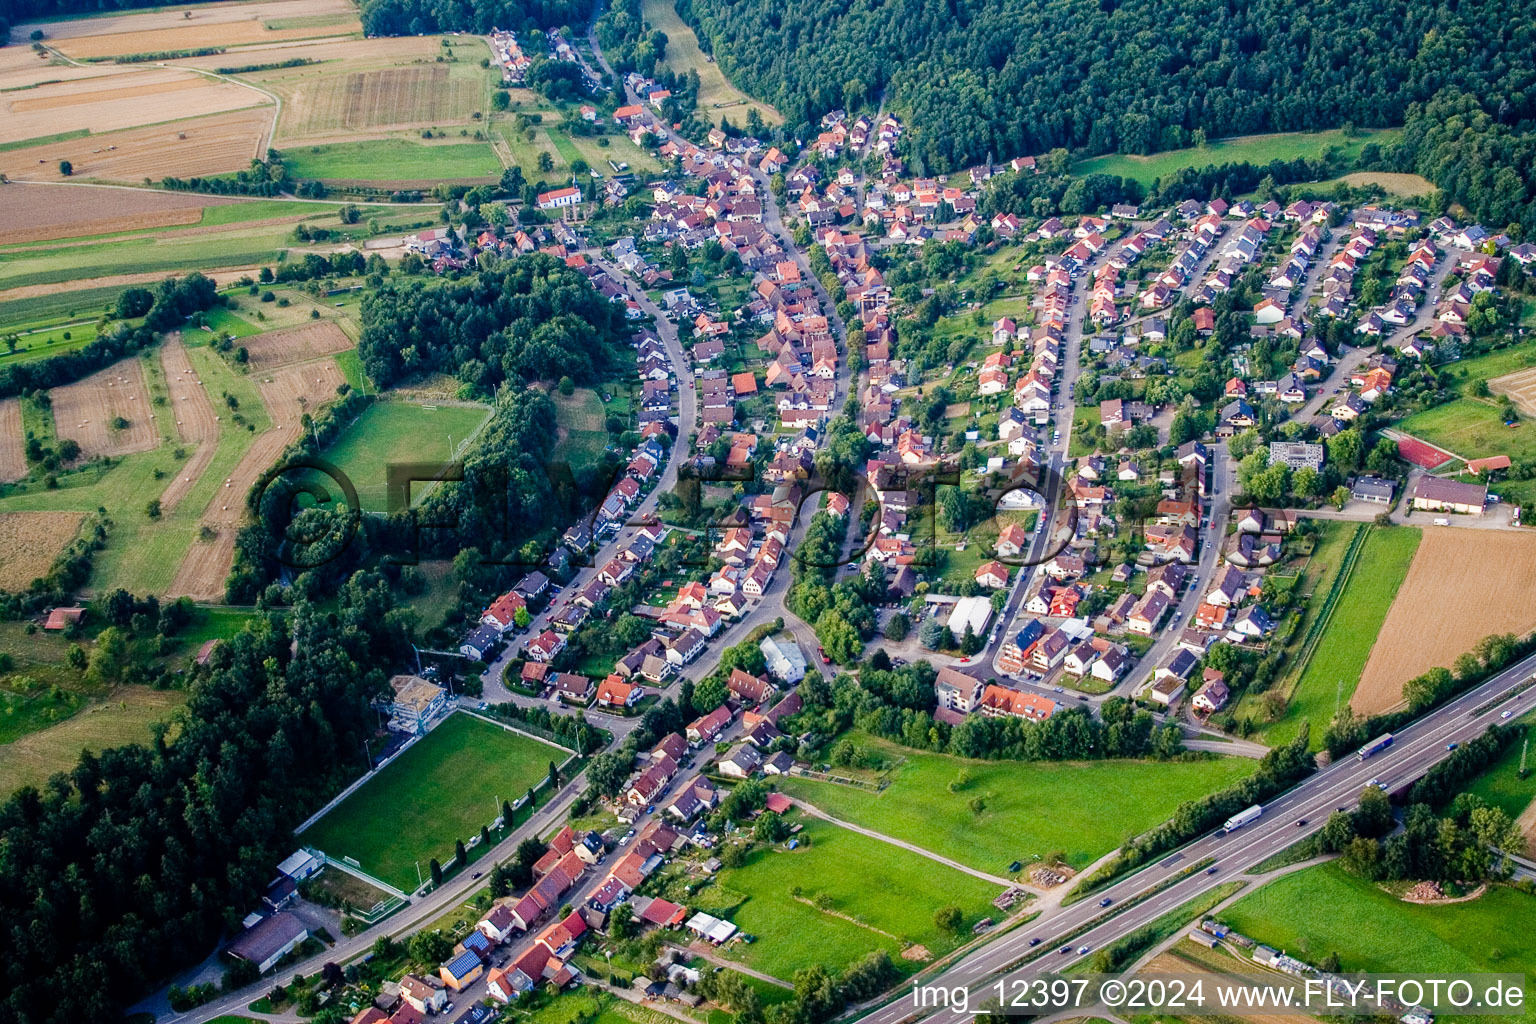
1247, 816
1376, 745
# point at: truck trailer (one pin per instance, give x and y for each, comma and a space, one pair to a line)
1247, 816
1376, 745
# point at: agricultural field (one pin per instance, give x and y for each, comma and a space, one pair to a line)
206, 554
1373, 931
1328, 679
184, 28
30, 541
215, 448
197, 146
399, 161
13, 454
718, 98
1519, 387
33, 213
376, 85
125, 716
881, 897
1029, 810
108, 413
130, 96
295, 344
402, 432
1256, 149
1462, 586
139, 259
447, 785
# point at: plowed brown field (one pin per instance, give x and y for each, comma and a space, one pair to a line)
85, 410
31, 213
128, 99
1463, 585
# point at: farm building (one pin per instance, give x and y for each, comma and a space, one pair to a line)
1436, 495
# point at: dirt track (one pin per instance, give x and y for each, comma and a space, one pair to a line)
13, 452
32, 291
196, 423
1462, 586
85, 410
287, 393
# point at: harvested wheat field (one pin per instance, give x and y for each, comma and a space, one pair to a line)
287, 393
30, 541
109, 103
21, 68
37, 212
200, 27
196, 423
86, 411
13, 451
1462, 586
278, 348
1520, 387
201, 16
216, 144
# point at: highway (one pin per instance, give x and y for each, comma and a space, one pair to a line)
1416, 748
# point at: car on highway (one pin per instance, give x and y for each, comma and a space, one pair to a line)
1379, 785
1106, 901
1452, 746
1064, 950
1301, 822
1083, 950
1035, 941
1506, 714
1211, 870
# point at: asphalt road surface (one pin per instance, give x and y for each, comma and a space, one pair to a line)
1414, 751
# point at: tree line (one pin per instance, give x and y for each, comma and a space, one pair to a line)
897, 704
421, 17
134, 864
171, 302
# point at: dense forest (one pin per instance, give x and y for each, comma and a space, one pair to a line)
533, 318
418, 17
1012, 77
133, 865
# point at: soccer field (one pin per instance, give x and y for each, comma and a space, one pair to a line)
400, 432
442, 789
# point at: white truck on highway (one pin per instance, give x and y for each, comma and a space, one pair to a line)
1246, 816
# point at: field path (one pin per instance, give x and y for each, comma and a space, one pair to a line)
287, 393
1526, 823
13, 450
196, 422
